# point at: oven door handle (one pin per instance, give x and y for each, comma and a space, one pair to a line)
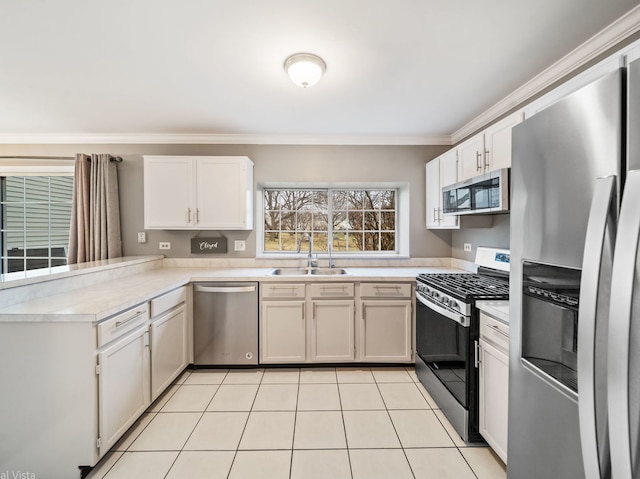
457, 317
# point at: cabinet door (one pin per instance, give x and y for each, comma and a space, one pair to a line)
448, 176
497, 140
433, 193
332, 333
471, 158
168, 193
123, 386
168, 349
494, 397
386, 331
449, 168
282, 332
224, 193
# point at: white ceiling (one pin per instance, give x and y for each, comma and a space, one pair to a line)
395, 68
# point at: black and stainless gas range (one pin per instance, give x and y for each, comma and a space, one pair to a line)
447, 332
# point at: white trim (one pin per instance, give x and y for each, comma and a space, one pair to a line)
223, 139
622, 28
33, 170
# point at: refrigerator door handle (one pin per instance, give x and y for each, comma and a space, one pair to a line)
622, 286
602, 214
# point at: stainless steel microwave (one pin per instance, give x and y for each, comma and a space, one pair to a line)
488, 193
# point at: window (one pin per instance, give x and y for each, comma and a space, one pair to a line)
350, 220
35, 221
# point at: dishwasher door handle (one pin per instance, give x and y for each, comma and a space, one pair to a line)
225, 289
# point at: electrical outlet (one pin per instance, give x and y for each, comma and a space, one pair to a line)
239, 245
467, 246
165, 245
142, 237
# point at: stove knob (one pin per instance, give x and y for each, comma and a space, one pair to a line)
454, 305
435, 294
445, 300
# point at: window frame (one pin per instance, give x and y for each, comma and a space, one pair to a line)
402, 231
31, 168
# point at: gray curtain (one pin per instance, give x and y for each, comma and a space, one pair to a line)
95, 216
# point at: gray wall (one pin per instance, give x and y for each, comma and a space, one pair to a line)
273, 163
497, 236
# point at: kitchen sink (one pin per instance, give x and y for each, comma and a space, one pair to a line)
307, 271
328, 271
289, 272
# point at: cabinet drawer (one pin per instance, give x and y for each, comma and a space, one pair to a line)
275, 290
494, 332
331, 290
121, 323
385, 290
167, 301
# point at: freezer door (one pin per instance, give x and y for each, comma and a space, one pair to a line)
624, 338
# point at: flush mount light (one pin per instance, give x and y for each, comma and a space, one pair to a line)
304, 69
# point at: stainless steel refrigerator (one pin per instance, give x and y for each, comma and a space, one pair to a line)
574, 391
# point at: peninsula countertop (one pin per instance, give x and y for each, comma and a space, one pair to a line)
97, 302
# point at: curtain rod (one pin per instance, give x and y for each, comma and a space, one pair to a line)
115, 159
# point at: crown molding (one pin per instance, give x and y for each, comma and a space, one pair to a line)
608, 38
222, 139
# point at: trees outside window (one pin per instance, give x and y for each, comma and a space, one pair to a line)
350, 220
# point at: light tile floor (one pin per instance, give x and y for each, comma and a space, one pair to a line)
316, 423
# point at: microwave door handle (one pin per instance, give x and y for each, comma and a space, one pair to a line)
596, 249
622, 288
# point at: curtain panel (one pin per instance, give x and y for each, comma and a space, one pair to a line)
95, 216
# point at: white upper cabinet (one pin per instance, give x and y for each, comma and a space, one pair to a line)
440, 172
449, 168
471, 157
497, 143
206, 192
168, 199
489, 150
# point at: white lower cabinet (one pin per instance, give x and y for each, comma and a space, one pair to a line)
494, 383
386, 331
282, 332
123, 385
168, 335
307, 323
386, 326
332, 331
316, 323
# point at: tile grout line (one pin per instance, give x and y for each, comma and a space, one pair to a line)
295, 420
393, 425
344, 426
235, 453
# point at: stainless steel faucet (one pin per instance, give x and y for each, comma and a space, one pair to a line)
311, 263
331, 263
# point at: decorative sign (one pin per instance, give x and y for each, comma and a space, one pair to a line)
209, 245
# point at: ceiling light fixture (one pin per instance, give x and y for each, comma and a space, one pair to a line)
304, 69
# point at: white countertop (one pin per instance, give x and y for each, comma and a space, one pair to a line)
96, 303
496, 309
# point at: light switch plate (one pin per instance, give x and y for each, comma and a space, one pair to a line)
165, 245
239, 245
467, 246
142, 237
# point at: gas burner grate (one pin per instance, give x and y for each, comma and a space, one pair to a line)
468, 287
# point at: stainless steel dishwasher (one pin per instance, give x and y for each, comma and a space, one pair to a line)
225, 323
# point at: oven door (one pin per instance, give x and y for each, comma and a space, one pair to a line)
442, 342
